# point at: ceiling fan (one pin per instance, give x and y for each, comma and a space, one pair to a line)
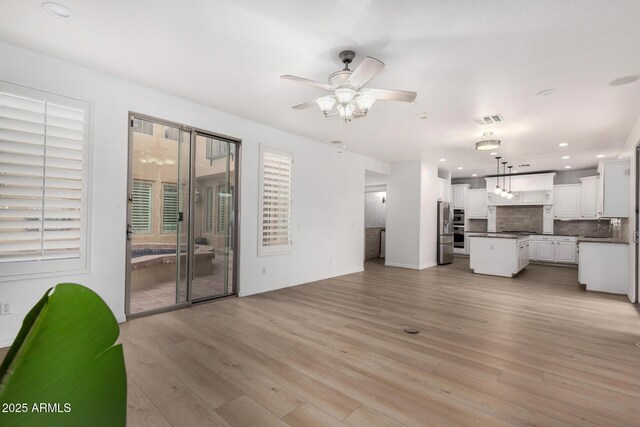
350, 98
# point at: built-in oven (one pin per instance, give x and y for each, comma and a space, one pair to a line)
458, 236
458, 216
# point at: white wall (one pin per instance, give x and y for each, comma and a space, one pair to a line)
327, 207
628, 151
412, 195
428, 215
375, 209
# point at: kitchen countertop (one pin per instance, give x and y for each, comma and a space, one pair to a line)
498, 235
618, 240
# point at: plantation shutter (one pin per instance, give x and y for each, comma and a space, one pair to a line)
141, 208
169, 208
42, 175
276, 202
210, 208
224, 202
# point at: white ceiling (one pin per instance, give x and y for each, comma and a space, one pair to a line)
465, 59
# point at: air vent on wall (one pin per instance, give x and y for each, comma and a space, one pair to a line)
489, 120
524, 165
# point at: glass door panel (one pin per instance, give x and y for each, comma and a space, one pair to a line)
214, 222
157, 228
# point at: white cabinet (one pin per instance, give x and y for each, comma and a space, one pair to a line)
613, 189
604, 267
589, 197
442, 190
547, 219
491, 219
545, 249
566, 201
566, 252
476, 204
527, 190
532, 248
555, 249
459, 195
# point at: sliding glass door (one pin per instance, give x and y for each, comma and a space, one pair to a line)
181, 217
214, 217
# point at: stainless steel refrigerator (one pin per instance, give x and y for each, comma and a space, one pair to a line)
445, 233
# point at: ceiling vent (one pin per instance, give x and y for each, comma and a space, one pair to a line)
489, 120
524, 165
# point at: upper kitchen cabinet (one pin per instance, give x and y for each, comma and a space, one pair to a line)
476, 204
589, 197
443, 195
566, 201
534, 189
459, 195
613, 189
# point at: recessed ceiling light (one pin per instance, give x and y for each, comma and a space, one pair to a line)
474, 174
563, 144
620, 81
493, 154
460, 168
600, 156
57, 10
423, 116
546, 92
565, 157
443, 160
567, 167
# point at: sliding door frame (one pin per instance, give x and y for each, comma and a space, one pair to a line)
193, 132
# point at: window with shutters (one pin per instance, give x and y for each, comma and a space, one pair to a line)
141, 211
142, 126
170, 209
225, 201
210, 209
216, 149
43, 182
275, 202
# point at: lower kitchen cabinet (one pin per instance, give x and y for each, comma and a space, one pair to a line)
545, 249
604, 267
556, 249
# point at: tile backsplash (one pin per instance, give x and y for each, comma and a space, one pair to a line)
592, 228
519, 218
477, 226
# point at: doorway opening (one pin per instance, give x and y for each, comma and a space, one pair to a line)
182, 211
375, 218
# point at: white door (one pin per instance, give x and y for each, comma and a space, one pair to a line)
545, 250
566, 252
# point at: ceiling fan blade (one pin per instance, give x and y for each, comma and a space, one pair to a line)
367, 69
308, 82
392, 95
305, 105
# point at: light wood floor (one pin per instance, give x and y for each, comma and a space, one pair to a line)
534, 350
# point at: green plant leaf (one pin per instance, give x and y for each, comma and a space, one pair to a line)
64, 362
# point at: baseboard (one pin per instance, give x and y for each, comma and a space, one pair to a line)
305, 281
6, 342
395, 264
431, 264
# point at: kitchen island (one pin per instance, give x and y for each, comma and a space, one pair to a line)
498, 254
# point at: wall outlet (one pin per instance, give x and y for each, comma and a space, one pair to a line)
5, 308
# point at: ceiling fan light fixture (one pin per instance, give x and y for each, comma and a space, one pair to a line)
487, 144
345, 111
345, 95
365, 102
326, 103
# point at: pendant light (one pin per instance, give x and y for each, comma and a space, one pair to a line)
504, 192
497, 190
510, 194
